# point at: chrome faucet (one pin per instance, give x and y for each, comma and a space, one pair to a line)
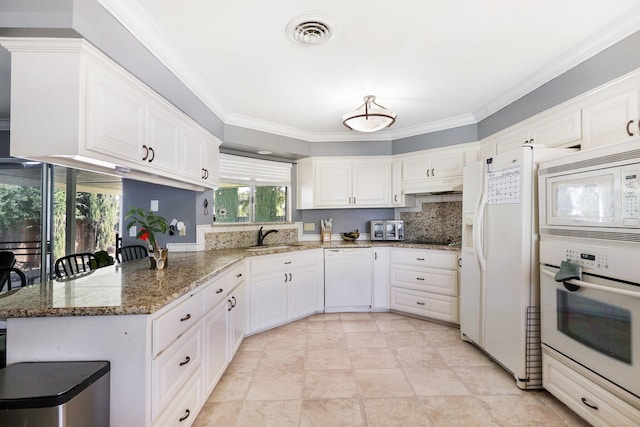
262, 236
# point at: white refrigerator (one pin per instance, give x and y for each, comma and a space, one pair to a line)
499, 283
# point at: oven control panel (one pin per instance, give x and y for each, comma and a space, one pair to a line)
587, 259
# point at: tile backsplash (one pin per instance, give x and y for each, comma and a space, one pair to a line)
437, 222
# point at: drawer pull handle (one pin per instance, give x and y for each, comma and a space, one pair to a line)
420, 259
219, 291
234, 303
588, 404
290, 278
419, 278
286, 278
629, 123
239, 275
186, 360
186, 415
287, 262
185, 318
419, 303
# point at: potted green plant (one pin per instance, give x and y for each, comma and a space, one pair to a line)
150, 223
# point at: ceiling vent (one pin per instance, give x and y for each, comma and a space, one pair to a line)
309, 30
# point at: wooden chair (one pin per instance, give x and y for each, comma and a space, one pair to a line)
74, 265
132, 252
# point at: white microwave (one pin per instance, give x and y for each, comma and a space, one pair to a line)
597, 188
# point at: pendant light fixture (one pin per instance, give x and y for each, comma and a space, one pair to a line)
369, 117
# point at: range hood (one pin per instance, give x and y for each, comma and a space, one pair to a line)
435, 186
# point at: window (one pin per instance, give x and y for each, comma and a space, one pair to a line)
252, 190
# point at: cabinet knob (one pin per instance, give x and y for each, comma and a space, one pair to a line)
186, 415
185, 361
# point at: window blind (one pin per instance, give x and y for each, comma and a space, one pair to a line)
245, 169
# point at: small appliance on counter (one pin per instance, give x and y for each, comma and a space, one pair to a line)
387, 229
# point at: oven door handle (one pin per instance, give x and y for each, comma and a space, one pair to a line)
611, 290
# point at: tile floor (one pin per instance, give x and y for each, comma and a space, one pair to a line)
371, 369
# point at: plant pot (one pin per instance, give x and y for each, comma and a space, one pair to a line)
161, 258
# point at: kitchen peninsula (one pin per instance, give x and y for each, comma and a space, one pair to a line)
168, 334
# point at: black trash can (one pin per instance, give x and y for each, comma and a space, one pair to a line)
55, 394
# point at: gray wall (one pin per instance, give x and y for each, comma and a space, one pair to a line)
344, 220
609, 64
172, 203
442, 138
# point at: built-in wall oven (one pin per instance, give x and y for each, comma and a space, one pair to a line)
590, 314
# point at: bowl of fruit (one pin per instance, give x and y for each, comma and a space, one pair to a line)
350, 236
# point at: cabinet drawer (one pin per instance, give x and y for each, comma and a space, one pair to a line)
216, 292
183, 411
170, 370
425, 258
443, 282
575, 390
282, 262
439, 307
175, 322
236, 275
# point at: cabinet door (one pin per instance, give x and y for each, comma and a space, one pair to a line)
372, 184
414, 168
115, 117
211, 157
164, 138
193, 153
560, 129
606, 115
301, 293
380, 279
446, 164
332, 185
236, 320
215, 345
268, 301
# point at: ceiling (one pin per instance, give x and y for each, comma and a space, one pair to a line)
438, 64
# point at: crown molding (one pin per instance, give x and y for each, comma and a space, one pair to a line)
138, 23
624, 27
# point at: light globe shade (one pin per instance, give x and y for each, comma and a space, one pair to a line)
369, 117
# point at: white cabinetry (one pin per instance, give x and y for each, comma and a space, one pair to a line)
99, 117
611, 116
558, 127
436, 170
285, 287
425, 283
344, 182
587, 394
380, 279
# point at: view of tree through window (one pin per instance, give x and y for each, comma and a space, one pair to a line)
248, 203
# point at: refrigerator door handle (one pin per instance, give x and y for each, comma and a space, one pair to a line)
479, 232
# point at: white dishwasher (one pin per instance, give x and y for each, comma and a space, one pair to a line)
347, 279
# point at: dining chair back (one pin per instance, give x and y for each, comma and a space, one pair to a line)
132, 252
74, 265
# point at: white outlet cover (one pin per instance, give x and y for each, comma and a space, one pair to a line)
154, 206
133, 231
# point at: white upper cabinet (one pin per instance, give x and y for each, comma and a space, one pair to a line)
99, 117
344, 182
611, 116
436, 170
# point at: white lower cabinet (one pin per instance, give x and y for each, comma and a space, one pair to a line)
285, 287
380, 279
425, 283
585, 393
196, 340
